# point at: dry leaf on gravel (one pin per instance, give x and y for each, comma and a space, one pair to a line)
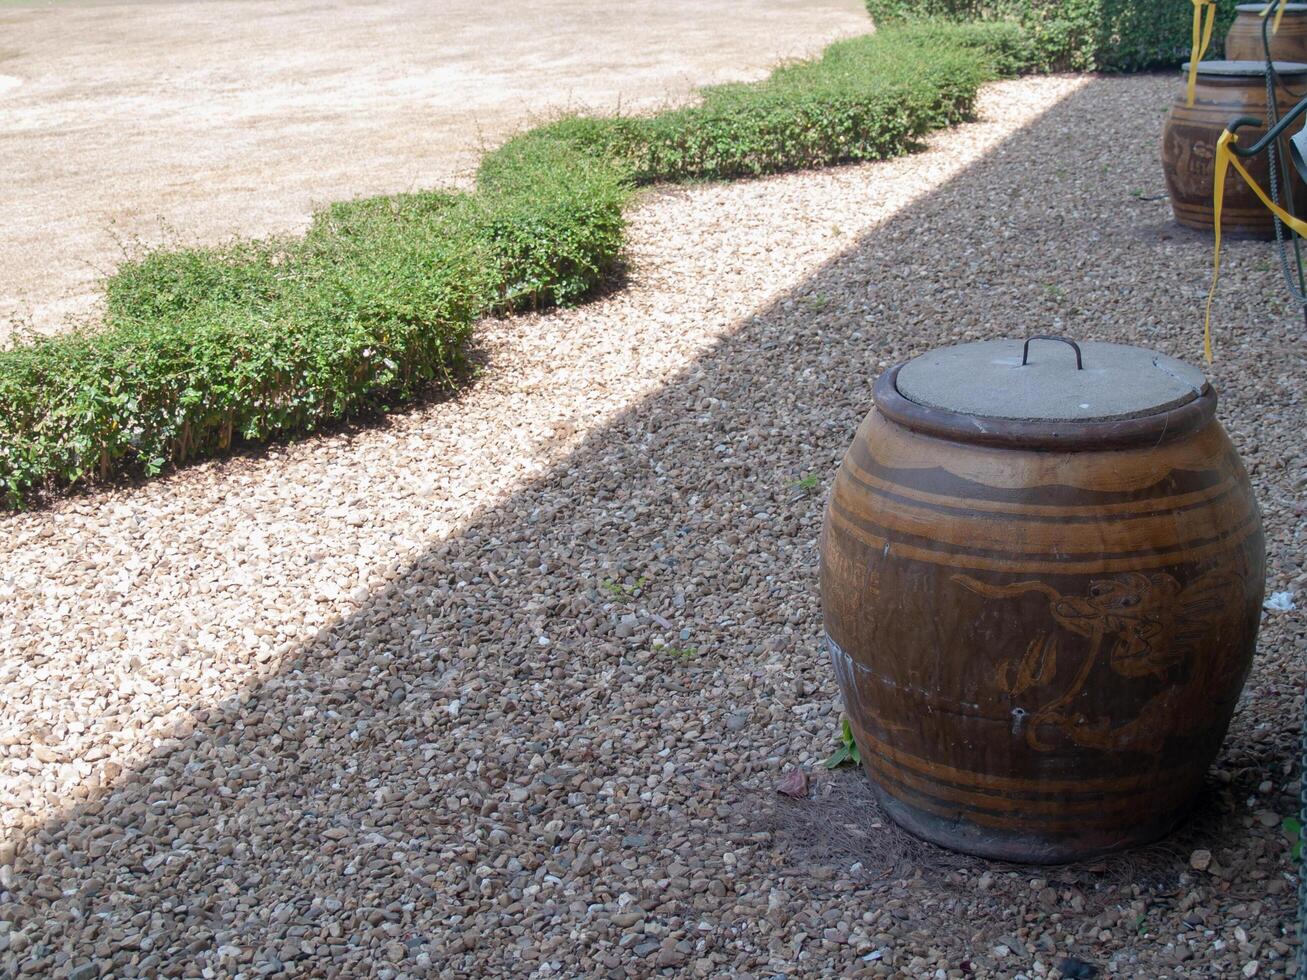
794, 784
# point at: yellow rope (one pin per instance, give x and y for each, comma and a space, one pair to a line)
1204, 20
1279, 12
1225, 159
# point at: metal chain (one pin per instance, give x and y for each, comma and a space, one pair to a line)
1297, 291
1302, 878
1273, 114
1272, 159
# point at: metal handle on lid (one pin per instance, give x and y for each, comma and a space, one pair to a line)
1025, 351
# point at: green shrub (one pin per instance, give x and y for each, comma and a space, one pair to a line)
1004, 46
1078, 35
204, 347
552, 217
329, 329
866, 98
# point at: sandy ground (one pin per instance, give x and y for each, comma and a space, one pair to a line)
195, 121
391, 700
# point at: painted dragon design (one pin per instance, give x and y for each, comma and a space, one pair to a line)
1150, 627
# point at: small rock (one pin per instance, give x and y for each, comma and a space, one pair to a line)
669, 954
1200, 860
1074, 969
1279, 602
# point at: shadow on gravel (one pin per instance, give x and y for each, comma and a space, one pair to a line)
841, 827
490, 767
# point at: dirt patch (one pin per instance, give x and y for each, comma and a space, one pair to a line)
185, 122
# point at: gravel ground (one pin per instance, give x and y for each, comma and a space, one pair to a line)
504, 685
142, 122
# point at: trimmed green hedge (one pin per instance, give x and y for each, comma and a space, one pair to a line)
866, 98
205, 347
1078, 35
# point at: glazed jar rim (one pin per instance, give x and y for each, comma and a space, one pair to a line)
1060, 435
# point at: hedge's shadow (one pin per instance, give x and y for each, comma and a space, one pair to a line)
356, 808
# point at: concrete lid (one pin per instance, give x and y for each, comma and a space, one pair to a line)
1245, 69
988, 379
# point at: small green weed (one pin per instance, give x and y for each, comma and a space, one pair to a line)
1292, 828
847, 751
680, 653
623, 591
809, 483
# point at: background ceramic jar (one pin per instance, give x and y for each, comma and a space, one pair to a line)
1289, 43
1224, 90
1041, 588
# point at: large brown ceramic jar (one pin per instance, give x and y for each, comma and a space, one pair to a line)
1289, 43
1225, 89
1041, 588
